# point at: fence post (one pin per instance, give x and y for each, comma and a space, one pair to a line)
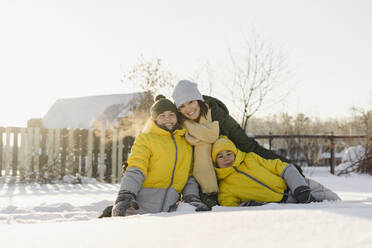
70, 152
1, 151
15, 152
22, 160
43, 159
270, 140
64, 133
108, 153
36, 152
101, 170
83, 149
76, 151
96, 140
120, 154
57, 151
28, 157
332, 151
114, 155
7, 151
50, 163
90, 153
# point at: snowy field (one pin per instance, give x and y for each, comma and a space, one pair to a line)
65, 215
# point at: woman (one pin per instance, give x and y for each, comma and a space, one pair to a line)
159, 167
205, 116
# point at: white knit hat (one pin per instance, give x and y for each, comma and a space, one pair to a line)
186, 91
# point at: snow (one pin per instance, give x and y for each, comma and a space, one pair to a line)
354, 154
65, 215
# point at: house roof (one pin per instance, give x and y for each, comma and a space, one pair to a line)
82, 112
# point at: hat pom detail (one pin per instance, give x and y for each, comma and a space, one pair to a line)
158, 97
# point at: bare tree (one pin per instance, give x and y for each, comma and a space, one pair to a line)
150, 76
257, 70
363, 119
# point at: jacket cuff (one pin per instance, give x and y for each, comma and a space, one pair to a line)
132, 180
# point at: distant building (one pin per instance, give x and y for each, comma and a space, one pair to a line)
84, 112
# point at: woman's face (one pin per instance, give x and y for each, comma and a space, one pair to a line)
225, 159
167, 119
191, 110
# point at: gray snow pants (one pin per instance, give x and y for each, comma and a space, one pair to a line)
319, 192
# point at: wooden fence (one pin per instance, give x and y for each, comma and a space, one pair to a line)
50, 154
307, 150
46, 154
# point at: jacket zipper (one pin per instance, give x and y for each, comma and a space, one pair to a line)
172, 178
258, 181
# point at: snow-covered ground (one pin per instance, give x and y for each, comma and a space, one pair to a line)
65, 215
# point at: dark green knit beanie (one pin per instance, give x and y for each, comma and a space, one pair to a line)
161, 104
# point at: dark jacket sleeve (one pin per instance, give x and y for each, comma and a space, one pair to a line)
230, 128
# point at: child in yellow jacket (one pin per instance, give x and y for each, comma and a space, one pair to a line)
159, 167
246, 179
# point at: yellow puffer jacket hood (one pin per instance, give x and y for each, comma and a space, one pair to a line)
157, 152
236, 187
223, 173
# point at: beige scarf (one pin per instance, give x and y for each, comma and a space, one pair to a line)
202, 135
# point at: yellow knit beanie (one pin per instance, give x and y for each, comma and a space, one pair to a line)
222, 144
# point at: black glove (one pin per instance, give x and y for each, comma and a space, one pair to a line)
125, 200
303, 194
209, 199
251, 203
106, 212
195, 201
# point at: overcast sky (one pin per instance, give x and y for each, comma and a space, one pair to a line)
53, 49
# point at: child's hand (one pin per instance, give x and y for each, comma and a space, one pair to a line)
195, 201
126, 200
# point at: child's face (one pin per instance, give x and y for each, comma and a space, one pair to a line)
225, 159
191, 110
167, 119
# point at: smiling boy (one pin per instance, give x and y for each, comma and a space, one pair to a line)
247, 178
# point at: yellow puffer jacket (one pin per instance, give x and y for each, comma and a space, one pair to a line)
236, 187
156, 153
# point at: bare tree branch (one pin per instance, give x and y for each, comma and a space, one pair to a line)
149, 76
256, 72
